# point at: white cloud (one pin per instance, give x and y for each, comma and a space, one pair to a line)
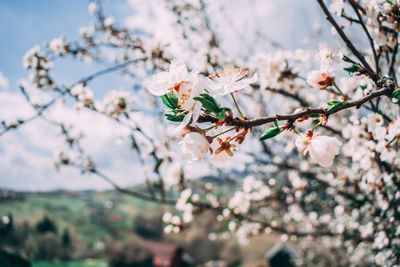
244, 26
27, 154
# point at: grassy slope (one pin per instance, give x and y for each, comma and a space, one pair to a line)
69, 212
88, 263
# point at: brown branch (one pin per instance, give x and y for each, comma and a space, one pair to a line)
347, 41
294, 116
371, 41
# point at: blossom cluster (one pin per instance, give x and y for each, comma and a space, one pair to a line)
190, 96
40, 65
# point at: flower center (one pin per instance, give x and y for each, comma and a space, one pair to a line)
234, 75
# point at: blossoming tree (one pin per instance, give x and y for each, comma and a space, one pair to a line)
309, 137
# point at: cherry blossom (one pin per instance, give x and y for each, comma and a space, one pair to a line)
319, 80
117, 102
58, 46
322, 149
84, 94
246, 138
230, 80
169, 81
195, 145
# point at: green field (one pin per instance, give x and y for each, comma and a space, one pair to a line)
87, 263
70, 211
91, 219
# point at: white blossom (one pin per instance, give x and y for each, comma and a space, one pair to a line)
319, 79
83, 94
322, 149
108, 22
229, 81
194, 145
337, 6
171, 80
116, 102
327, 58
93, 7
58, 46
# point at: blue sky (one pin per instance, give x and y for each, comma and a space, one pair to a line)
27, 155
26, 23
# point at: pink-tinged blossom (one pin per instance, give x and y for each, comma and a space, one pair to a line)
93, 8
58, 46
83, 94
169, 81
117, 102
319, 79
230, 80
322, 149
195, 145
184, 84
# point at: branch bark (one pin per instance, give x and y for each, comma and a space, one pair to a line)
294, 116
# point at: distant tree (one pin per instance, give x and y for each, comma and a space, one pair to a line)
148, 227
11, 260
66, 239
10, 225
6, 224
66, 245
48, 247
46, 225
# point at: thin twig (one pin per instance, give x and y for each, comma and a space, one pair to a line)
347, 41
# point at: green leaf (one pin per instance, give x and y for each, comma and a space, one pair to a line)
172, 116
352, 69
210, 104
362, 87
395, 97
333, 102
334, 106
270, 132
171, 101
221, 113
390, 142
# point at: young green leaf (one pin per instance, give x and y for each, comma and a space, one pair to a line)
270, 132
333, 102
207, 104
352, 69
334, 106
395, 97
172, 116
171, 101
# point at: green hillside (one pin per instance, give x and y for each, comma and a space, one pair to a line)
77, 211
71, 229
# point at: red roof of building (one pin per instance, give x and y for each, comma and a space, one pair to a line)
163, 253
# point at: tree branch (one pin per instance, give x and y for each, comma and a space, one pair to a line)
293, 117
347, 41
